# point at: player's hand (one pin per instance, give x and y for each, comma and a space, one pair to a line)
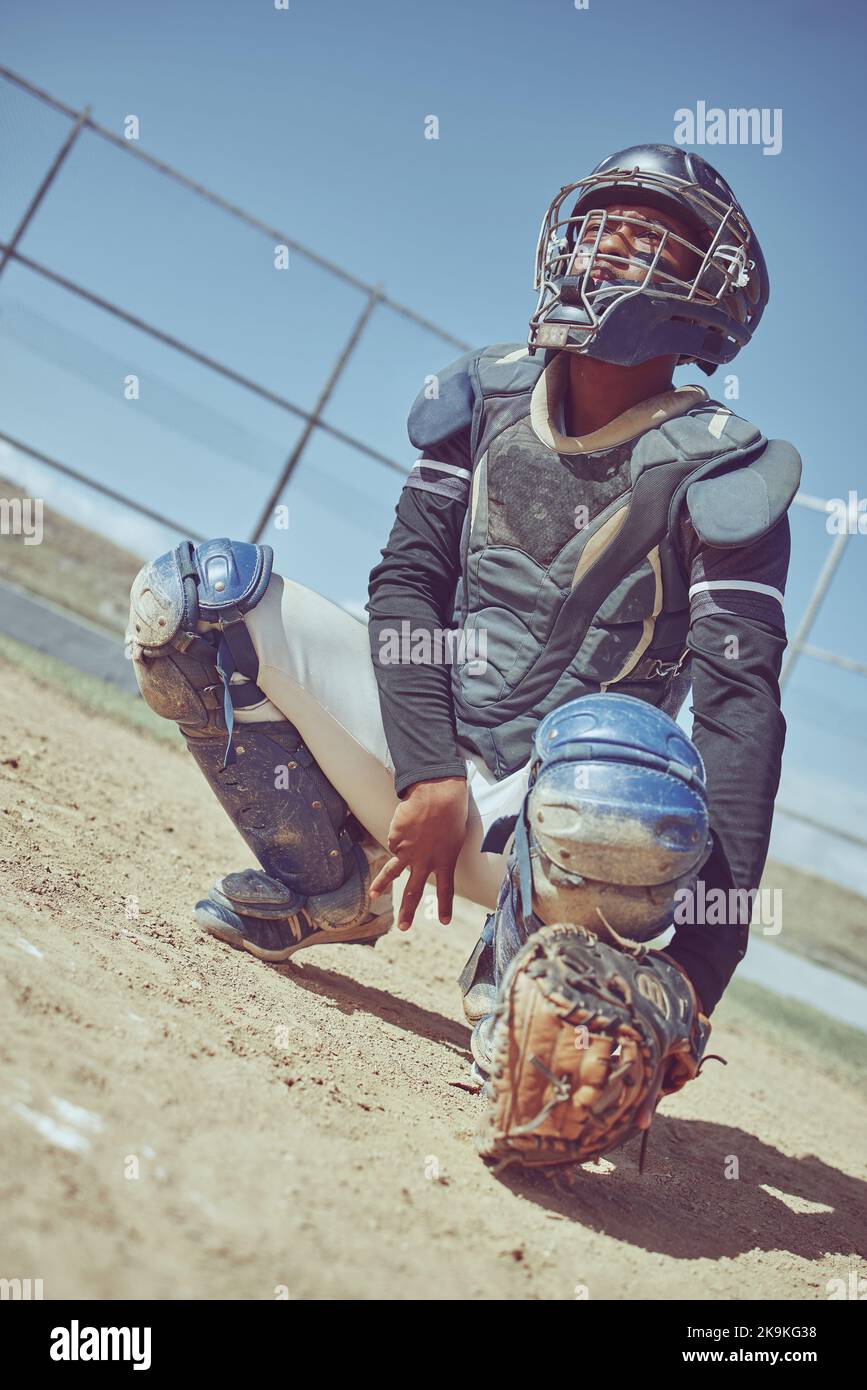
425, 836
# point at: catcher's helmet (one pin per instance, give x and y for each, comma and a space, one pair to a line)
642, 310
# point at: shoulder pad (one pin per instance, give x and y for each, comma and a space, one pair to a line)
433, 419
741, 506
721, 428
233, 577
507, 369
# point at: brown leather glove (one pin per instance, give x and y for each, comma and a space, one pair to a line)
587, 1039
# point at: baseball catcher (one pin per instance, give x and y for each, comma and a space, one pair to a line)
592, 541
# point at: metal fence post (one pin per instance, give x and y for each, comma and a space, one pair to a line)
83, 117
798, 643
313, 418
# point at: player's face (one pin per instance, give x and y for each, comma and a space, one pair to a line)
625, 237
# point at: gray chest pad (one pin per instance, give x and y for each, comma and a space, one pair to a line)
533, 494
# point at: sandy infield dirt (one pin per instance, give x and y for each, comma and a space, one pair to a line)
180, 1120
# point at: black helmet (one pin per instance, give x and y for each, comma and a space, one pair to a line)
706, 319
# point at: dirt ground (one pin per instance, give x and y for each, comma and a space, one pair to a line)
180, 1120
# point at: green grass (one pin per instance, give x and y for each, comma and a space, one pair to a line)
805, 1033
91, 693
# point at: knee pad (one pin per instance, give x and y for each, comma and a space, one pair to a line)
616, 815
185, 673
282, 804
615, 821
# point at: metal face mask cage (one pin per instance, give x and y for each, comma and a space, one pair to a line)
719, 290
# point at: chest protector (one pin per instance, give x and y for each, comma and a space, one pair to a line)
554, 603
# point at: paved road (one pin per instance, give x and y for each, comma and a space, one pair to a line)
50, 629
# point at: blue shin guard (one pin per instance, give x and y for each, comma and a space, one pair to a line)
195, 663
613, 828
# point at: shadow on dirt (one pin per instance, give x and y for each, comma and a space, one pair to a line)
349, 996
683, 1205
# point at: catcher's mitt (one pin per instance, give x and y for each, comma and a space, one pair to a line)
586, 1040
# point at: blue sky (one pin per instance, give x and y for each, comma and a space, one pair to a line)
313, 118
